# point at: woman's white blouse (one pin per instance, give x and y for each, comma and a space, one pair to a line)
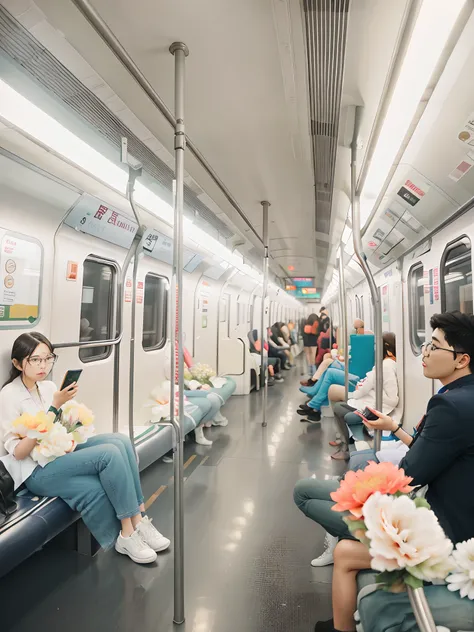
15, 399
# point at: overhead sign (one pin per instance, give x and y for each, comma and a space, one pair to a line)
20, 267
160, 247
92, 217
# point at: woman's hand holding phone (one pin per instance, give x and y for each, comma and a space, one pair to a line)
383, 422
62, 397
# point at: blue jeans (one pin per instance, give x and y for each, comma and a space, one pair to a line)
100, 479
313, 498
330, 377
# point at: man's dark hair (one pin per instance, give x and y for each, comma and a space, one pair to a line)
458, 330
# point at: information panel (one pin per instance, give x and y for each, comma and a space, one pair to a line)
20, 265
302, 287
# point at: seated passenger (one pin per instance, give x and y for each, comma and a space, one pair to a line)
363, 396
441, 456
277, 347
98, 478
323, 358
286, 339
293, 332
359, 328
273, 365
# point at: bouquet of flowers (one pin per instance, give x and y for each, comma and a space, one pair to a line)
78, 421
462, 578
73, 425
32, 426
159, 402
202, 373
404, 537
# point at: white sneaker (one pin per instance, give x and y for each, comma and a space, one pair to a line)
136, 549
200, 438
327, 557
220, 420
151, 536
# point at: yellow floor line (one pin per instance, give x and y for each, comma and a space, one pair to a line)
154, 496
161, 489
204, 460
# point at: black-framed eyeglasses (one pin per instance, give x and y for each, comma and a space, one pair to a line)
37, 360
428, 347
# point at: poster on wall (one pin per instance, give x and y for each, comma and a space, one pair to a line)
20, 265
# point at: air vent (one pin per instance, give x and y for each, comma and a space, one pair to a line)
325, 33
18, 43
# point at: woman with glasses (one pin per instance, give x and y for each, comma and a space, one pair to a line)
99, 478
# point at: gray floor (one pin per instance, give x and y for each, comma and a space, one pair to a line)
247, 546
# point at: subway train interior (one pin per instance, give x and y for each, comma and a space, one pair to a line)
183, 187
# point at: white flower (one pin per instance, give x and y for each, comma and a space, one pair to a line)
404, 536
57, 443
463, 577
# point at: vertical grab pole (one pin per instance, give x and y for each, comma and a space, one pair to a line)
344, 338
263, 377
374, 290
180, 52
421, 610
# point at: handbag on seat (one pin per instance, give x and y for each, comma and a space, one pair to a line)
7, 488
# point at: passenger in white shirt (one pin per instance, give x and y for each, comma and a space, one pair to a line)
99, 478
364, 396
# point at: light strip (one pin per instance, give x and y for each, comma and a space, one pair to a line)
433, 27
28, 118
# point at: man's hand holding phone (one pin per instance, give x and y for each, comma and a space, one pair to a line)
376, 420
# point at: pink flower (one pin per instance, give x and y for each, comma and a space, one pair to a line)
357, 487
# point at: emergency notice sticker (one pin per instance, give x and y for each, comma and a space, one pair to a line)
411, 193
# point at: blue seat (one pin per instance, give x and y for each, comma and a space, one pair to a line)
362, 358
380, 611
38, 520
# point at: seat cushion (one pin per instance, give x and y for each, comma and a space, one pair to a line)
36, 522
382, 611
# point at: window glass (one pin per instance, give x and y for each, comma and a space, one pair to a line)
154, 312
416, 303
97, 308
456, 275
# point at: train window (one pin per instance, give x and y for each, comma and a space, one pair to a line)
97, 308
416, 306
456, 277
154, 312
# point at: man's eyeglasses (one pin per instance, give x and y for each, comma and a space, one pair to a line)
37, 361
428, 347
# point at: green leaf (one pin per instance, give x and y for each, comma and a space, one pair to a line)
389, 577
354, 525
413, 582
421, 502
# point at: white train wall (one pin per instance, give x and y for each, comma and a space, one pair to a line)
435, 276
219, 307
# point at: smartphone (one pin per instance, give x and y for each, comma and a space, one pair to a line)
369, 415
71, 377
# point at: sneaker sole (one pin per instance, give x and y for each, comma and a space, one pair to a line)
136, 559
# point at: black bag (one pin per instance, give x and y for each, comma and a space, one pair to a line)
7, 503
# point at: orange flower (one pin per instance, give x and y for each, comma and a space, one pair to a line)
357, 487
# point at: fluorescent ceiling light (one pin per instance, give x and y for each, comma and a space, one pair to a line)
433, 27
28, 118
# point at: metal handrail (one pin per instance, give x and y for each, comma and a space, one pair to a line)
101, 28
345, 337
89, 345
374, 290
263, 333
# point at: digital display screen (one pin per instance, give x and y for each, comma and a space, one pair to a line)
302, 287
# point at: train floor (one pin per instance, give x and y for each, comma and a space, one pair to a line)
247, 552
